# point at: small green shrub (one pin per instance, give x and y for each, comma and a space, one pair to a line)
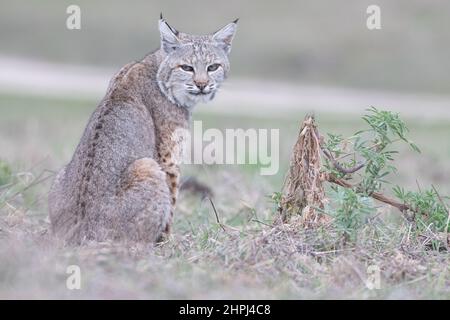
360, 167
375, 149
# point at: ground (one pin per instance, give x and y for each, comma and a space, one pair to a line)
248, 258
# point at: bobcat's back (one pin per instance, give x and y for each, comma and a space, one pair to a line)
88, 193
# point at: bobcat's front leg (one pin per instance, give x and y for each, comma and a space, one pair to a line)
171, 148
172, 170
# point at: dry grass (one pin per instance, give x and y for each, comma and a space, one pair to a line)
248, 260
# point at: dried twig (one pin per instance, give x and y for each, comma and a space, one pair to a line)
338, 166
261, 222
376, 195
216, 214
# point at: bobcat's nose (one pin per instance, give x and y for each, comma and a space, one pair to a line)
201, 84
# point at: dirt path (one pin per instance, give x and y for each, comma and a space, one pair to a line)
238, 96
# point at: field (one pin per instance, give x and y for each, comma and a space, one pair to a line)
248, 258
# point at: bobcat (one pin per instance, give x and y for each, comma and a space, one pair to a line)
122, 181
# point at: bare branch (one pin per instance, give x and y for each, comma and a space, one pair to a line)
217, 216
376, 195
338, 166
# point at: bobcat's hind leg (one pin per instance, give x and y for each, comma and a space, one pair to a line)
144, 201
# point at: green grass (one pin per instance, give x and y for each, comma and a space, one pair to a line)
200, 260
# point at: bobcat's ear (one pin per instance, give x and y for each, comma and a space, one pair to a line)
169, 36
225, 36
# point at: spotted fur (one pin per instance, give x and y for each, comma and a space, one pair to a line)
122, 181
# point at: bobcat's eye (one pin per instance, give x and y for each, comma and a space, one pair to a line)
187, 68
213, 67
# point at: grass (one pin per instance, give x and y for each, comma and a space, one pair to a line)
247, 260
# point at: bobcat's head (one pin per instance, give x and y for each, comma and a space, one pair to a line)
194, 67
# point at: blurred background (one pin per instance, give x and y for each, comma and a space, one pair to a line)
320, 42
288, 58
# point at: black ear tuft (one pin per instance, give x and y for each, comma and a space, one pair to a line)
236, 21
169, 39
160, 16
175, 31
